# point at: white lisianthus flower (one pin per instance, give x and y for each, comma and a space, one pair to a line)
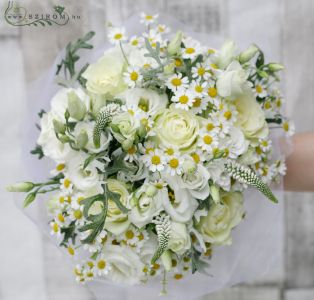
149, 248
116, 221
236, 143
124, 128
233, 81
251, 117
83, 179
106, 75
176, 129
47, 139
146, 202
179, 204
196, 182
105, 137
222, 218
216, 170
180, 240
226, 54
145, 99
126, 266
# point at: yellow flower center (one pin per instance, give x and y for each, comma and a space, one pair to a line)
198, 89
129, 234
60, 167
140, 237
207, 139
135, 42
161, 29
101, 264
178, 276
184, 99
61, 218
265, 143
228, 115
210, 126
189, 50
258, 150
61, 200
134, 76
212, 92
55, 227
90, 264
149, 17
118, 36
159, 185
201, 71
132, 150
285, 126
176, 81
66, 183
156, 266
196, 157
77, 214
79, 199
214, 66
259, 89
169, 151
211, 51
173, 163
156, 160
267, 105
278, 103
149, 150
178, 62
71, 251
197, 102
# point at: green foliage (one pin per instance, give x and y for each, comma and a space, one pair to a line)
197, 263
71, 58
38, 150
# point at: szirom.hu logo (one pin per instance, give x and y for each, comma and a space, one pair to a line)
17, 15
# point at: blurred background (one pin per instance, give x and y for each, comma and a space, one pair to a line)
30, 266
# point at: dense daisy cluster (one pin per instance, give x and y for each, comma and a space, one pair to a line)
153, 150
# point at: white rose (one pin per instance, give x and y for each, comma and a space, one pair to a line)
105, 137
147, 100
180, 206
180, 240
176, 128
83, 179
251, 117
146, 203
222, 218
106, 75
126, 266
233, 81
196, 182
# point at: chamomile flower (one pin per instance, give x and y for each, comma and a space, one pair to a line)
102, 237
55, 229
183, 99
207, 141
148, 19
76, 202
132, 76
174, 165
228, 114
66, 186
131, 154
60, 168
288, 127
136, 41
154, 37
102, 267
198, 156
89, 274
265, 144
147, 147
200, 71
71, 251
199, 88
155, 160
260, 89
116, 35
130, 237
191, 49
280, 166
176, 82
162, 29
77, 215
199, 104
268, 105
61, 218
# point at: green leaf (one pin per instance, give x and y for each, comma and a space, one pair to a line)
260, 60
29, 199
116, 199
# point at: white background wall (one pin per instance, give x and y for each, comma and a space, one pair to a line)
30, 267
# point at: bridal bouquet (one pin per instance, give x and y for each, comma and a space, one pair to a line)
153, 146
